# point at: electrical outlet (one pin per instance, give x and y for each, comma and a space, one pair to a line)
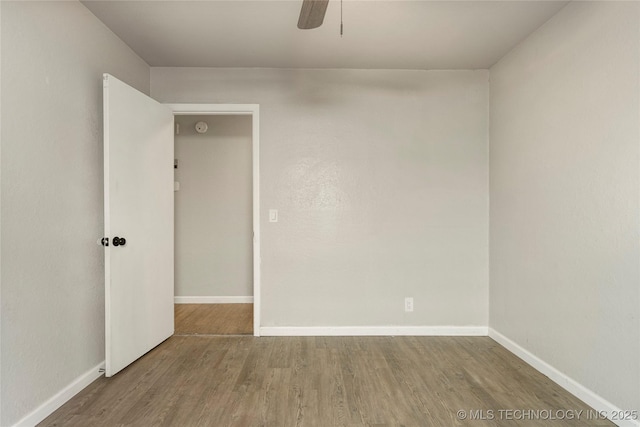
408, 304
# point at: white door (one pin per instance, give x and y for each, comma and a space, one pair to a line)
138, 207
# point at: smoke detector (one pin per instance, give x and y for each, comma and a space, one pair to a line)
201, 127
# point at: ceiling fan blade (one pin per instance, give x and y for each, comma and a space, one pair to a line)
312, 14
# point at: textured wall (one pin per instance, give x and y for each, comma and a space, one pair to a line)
564, 197
0, 214
381, 182
214, 214
53, 57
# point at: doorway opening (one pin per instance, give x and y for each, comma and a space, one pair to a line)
217, 251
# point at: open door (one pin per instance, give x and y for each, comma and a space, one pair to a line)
138, 219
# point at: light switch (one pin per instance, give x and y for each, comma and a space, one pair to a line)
176, 186
273, 215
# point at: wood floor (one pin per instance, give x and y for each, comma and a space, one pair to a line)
322, 381
213, 319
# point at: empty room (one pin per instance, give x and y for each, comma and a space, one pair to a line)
319, 213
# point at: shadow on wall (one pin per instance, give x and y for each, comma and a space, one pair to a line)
324, 87
328, 88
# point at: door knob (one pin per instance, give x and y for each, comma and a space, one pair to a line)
119, 241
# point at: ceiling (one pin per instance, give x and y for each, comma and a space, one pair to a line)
386, 34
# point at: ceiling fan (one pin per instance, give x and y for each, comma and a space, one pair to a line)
312, 14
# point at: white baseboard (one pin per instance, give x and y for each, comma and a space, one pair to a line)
214, 300
578, 390
59, 399
326, 331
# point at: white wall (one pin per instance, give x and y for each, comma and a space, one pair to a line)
0, 215
565, 197
53, 57
214, 214
381, 181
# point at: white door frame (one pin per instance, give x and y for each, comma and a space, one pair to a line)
252, 110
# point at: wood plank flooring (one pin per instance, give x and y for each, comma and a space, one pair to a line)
213, 319
321, 381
